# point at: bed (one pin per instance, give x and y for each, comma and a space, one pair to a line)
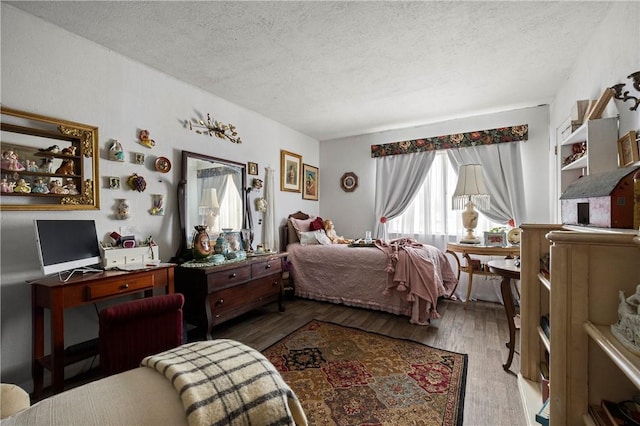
213, 382
401, 276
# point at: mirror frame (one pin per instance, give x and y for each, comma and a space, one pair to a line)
183, 196
82, 136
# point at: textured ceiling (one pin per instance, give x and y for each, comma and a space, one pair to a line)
334, 69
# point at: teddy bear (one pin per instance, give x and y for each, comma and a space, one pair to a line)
330, 230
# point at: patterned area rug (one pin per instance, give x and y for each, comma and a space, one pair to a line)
346, 376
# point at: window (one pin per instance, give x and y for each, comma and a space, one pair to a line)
430, 217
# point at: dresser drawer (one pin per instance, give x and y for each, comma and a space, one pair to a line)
261, 269
119, 285
230, 277
242, 297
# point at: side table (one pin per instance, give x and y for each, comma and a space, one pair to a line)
467, 250
508, 270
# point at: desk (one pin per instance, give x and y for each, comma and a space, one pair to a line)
466, 250
508, 271
57, 296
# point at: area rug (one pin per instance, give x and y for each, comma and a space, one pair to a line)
346, 376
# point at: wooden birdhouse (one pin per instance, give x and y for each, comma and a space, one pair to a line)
603, 200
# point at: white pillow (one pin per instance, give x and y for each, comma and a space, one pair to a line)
314, 237
308, 238
322, 238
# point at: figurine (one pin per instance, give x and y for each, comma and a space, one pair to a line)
32, 166
66, 168
46, 165
145, 140
10, 161
5, 186
55, 187
70, 150
22, 186
39, 187
123, 209
53, 149
627, 329
71, 187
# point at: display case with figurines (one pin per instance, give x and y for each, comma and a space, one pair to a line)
47, 163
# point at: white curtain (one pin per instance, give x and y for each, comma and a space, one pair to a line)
502, 169
398, 178
270, 238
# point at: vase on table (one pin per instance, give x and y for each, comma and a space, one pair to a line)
201, 243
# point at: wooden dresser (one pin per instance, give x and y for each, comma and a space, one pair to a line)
217, 294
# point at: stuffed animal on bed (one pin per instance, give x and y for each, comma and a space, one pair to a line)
330, 230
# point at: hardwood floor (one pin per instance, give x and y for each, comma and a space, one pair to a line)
478, 329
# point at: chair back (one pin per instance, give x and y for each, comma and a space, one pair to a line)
133, 330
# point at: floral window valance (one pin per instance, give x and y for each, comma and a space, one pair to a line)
458, 140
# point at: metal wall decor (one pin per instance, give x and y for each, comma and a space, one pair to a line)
214, 128
624, 96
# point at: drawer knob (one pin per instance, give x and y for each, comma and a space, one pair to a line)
275, 283
220, 302
124, 286
268, 266
232, 275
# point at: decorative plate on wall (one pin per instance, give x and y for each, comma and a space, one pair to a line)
349, 182
162, 164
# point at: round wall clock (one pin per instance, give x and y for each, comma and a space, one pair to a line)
349, 182
513, 236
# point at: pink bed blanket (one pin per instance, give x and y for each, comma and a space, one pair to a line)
368, 277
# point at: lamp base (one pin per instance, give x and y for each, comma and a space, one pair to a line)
470, 221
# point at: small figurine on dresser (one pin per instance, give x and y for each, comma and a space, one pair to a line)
32, 166
627, 329
70, 150
46, 165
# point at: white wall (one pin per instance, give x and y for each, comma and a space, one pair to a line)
352, 212
49, 71
612, 54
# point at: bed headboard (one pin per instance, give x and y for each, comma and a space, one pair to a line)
288, 233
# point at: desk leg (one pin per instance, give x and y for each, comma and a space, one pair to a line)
469, 270
507, 298
37, 344
57, 342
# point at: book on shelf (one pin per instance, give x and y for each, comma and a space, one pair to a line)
545, 324
599, 416
542, 416
544, 380
615, 414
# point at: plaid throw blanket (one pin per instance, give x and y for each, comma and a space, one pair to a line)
224, 382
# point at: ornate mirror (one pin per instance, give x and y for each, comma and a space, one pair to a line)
47, 163
210, 193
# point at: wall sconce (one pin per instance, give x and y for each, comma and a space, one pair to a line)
214, 127
624, 97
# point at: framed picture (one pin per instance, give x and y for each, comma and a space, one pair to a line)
290, 170
114, 182
252, 168
495, 239
234, 241
627, 149
310, 182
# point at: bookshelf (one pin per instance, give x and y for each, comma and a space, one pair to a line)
587, 364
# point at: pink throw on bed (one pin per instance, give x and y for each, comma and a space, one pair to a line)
358, 276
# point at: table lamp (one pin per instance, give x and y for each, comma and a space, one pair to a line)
470, 190
209, 208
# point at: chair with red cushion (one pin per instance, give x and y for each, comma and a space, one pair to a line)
133, 330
